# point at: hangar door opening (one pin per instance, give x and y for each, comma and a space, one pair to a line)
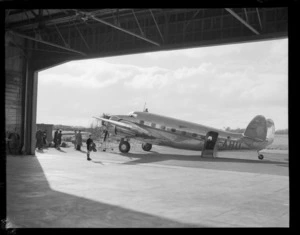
168, 82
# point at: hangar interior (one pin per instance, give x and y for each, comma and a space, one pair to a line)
36, 39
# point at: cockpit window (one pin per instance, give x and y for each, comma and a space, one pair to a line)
132, 114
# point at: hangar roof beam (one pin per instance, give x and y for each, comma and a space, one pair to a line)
259, 18
157, 26
47, 43
187, 23
137, 21
86, 44
117, 27
242, 20
61, 35
125, 31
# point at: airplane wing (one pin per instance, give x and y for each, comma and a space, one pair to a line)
133, 128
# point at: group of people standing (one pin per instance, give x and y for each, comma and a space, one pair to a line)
41, 137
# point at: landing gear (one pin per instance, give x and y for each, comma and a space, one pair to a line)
146, 147
124, 146
260, 157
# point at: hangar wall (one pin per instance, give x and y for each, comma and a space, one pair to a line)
20, 97
15, 65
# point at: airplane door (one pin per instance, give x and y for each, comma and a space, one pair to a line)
210, 146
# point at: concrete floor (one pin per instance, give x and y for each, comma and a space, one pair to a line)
162, 188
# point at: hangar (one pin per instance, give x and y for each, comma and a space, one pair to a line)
36, 39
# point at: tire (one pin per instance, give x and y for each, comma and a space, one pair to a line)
124, 147
146, 147
260, 157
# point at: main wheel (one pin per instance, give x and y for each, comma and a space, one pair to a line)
124, 147
260, 157
146, 147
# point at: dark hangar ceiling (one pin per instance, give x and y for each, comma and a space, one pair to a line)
57, 35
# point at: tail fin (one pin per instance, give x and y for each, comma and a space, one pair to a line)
257, 128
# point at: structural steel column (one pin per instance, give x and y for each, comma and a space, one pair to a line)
34, 111
30, 111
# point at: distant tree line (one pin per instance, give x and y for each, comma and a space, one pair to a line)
239, 130
281, 132
95, 130
70, 128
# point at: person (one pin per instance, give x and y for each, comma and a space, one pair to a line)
209, 143
45, 138
75, 139
59, 139
55, 138
79, 140
90, 145
39, 139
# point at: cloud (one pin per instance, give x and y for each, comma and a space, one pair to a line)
88, 74
228, 88
148, 81
181, 79
275, 59
269, 89
279, 48
185, 72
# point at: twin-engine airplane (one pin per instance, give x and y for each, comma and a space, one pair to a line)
152, 129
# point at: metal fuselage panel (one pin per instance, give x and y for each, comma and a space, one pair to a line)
170, 132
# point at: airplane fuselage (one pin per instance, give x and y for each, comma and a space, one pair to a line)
180, 134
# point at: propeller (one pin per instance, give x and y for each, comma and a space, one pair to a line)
105, 115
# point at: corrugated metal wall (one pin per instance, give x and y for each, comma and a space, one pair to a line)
14, 88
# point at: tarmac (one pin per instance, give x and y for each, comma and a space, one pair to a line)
163, 188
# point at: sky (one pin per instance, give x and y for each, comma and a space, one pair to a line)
218, 86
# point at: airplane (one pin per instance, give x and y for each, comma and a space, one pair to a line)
153, 129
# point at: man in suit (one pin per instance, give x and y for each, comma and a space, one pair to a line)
55, 138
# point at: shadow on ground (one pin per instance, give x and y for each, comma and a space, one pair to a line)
154, 156
31, 203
